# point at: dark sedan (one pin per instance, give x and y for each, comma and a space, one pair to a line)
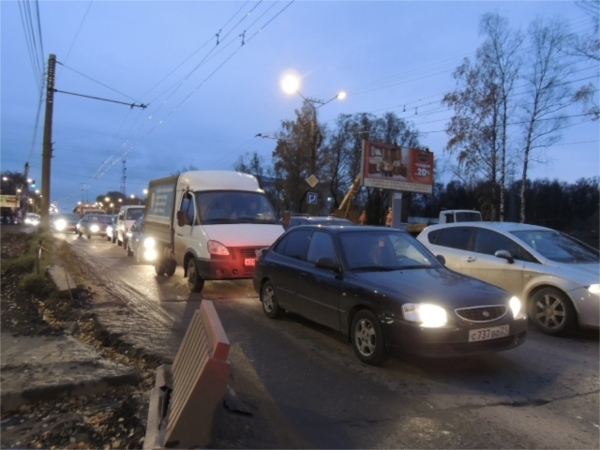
386, 292
93, 225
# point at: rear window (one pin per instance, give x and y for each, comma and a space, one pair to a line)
455, 237
134, 213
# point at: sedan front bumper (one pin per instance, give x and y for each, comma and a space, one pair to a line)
451, 340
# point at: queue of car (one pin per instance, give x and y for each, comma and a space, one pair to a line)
457, 289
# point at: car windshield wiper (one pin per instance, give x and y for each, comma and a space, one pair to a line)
414, 266
377, 268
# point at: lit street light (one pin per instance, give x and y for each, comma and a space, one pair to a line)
290, 83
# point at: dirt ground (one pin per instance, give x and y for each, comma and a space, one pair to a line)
115, 419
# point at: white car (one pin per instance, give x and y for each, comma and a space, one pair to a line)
32, 219
126, 218
557, 275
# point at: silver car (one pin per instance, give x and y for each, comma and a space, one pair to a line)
557, 275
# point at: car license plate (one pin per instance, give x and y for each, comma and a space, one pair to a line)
250, 262
485, 334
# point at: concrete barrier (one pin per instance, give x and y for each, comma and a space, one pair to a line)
186, 394
62, 280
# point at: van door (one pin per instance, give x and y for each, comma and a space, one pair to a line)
184, 238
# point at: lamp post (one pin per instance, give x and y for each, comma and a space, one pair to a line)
290, 83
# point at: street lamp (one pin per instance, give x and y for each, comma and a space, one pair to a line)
290, 83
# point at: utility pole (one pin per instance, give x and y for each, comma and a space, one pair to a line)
47, 145
123, 178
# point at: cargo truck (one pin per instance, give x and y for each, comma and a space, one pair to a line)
211, 223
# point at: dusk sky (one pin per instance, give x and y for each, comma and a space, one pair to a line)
206, 102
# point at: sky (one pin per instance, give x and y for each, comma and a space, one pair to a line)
209, 73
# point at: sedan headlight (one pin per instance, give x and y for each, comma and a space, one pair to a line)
594, 289
149, 242
94, 228
426, 314
515, 306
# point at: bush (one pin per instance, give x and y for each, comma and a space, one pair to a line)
35, 284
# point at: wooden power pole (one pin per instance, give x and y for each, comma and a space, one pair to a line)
47, 146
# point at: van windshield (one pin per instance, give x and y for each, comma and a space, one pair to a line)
234, 207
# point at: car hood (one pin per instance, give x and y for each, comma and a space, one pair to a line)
434, 285
244, 234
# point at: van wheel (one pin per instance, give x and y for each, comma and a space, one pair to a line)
195, 282
170, 268
159, 267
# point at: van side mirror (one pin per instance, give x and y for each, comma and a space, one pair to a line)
182, 218
327, 264
441, 259
504, 254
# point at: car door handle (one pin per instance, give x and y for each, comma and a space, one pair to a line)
303, 275
470, 259
179, 234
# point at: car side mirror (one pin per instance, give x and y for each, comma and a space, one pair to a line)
327, 264
441, 259
504, 254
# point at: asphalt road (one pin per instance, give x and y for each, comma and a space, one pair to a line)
305, 387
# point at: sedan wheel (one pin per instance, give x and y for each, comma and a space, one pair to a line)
128, 248
552, 312
269, 301
89, 236
195, 282
367, 338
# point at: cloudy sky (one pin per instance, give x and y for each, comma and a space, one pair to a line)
206, 102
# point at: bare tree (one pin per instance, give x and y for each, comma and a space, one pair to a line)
483, 102
587, 46
500, 55
543, 104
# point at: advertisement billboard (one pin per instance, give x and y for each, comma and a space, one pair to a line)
8, 201
397, 168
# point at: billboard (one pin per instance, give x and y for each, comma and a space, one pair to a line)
397, 168
8, 201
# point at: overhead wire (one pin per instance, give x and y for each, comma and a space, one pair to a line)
100, 173
142, 138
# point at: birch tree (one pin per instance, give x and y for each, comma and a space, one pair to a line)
542, 109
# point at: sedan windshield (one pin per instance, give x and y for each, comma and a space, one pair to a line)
558, 246
384, 251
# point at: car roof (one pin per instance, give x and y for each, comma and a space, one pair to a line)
500, 226
337, 229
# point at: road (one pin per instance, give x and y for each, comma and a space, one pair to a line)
305, 387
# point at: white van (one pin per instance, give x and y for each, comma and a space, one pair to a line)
127, 216
211, 223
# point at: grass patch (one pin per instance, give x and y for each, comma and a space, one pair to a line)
25, 259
